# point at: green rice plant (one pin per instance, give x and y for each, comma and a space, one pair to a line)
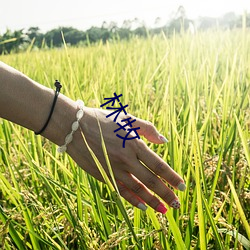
195, 89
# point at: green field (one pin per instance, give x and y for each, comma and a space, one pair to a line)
196, 91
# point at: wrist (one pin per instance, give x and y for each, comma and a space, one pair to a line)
61, 121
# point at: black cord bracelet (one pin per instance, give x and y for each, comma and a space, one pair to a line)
58, 87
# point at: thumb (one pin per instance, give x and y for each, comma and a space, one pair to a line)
149, 131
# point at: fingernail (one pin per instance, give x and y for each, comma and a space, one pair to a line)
163, 138
175, 204
142, 206
161, 208
181, 186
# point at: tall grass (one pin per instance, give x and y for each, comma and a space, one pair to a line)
195, 89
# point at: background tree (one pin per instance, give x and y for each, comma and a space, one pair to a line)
180, 22
13, 41
19, 40
34, 34
72, 36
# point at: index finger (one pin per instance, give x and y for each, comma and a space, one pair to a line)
160, 167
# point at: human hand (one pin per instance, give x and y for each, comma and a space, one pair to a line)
137, 169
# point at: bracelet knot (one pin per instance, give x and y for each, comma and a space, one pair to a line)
58, 86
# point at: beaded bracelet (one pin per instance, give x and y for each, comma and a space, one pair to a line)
74, 127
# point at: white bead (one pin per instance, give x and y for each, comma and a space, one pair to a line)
62, 149
75, 126
79, 114
80, 103
69, 138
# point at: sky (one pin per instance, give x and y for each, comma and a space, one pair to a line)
82, 14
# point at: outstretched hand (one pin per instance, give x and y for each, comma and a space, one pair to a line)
139, 171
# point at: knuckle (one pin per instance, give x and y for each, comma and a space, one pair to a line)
151, 182
150, 127
118, 156
153, 201
137, 188
141, 147
122, 158
160, 168
150, 124
167, 197
122, 189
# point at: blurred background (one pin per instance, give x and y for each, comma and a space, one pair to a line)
22, 22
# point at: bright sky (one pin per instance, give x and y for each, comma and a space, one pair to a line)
81, 14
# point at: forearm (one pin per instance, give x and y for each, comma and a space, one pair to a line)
28, 103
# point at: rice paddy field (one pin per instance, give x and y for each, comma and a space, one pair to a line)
196, 91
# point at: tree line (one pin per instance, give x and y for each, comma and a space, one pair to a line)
20, 40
